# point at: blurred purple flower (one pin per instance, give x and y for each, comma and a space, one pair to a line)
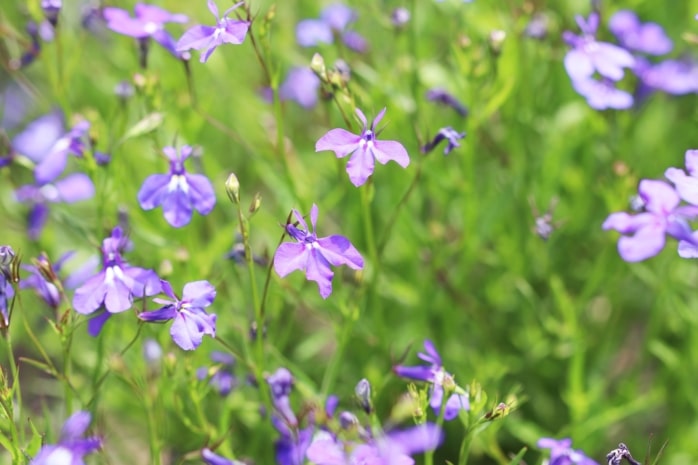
334, 19
645, 232
223, 379
213, 459
676, 77
51, 9
365, 147
448, 134
73, 188
561, 452
281, 384
7, 292
301, 86
45, 288
444, 97
400, 17
291, 446
72, 446
226, 31
191, 321
647, 38
537, 27
314, 255
149, 22
435, 374
686, 184
179, 192
589, 55
116, 285
602, 94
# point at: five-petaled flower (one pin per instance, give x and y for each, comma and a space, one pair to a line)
450, 135
365, 147
226, 31
314, 255
191, 321
72, 446
179, 192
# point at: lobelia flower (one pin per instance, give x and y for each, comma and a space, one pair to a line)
73, 188
648, 38
314, 255
72, 445
448, 134
435, 374
226, 31
7, 292
445, 98
191, 321
222, 379
589, 55
301, 85
602, 94
116, 285
561, 452
645, 232
213, 459
334, 19
366, 149
43, 277
51, 9
179, 192
676, 77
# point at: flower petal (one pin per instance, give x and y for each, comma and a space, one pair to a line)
199, 294
290, 257
337, 250
360, 167
340, 141
153, 191
386, 150
197, 37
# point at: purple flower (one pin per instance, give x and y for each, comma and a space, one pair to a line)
301, 85
191, 321
226, 31
444, 97
73, 188
213, 459
116, 285
686, 184
178, 192
45, 288
51, 9
647, 38
281, 384
365, 147
676, 77
448, 134
149, 22
602, 94
589, 55
72, 446
314, 255
435, 374
222, 379
334, 19
645, 232
7, 292
561, 452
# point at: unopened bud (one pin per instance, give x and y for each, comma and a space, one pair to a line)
496, 41
232, 188
256, 203
317, 64
363, 394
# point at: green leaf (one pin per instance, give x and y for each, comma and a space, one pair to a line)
518, 457
35, 441
147, 124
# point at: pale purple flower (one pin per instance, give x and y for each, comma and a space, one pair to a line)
602, 94
435, 374
676, 77
686, 184
301, 85
51, 9
222, 377
281, 384
117, 284
314, 255
45, 288
191, 322
589, 55
214, 459
72, 445
648, 38
450, 135
561, 452
73, 188
334, 19
644, 233
226, 31
7, 292
178, 192
443, 97
366, 149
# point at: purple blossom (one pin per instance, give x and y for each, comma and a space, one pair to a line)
314, 255
686, 184
191, 321
589, 55
645, 232
116, 285
45, 288
647, 38
73, 188
149, 22
561, 452
51, 9
450, 135
179, 192
435, 374
365, 148
301, 85
72, 445
213, 459
226, 31
602, 94
443, 97
334, 19
7, 292
676, 77
222, 379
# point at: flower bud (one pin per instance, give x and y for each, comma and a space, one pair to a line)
317, 64
232, 188
256, 203
363, 394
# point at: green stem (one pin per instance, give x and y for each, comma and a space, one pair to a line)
396, 211
347, 327
372, 253
7, 404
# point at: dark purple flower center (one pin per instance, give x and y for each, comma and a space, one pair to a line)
300, 235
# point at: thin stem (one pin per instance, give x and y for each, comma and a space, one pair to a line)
347, 327
396, 211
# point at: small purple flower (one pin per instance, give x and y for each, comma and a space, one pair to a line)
149, 22
73, 188
602, 94
51, 9
676, 77
213, 459
116, 285
334, 19
645, 232
281, 384
647, 38
561, 452
537, 27
191, 321
226, 31
314, 255
450, 135
365, 147
179, 192
444, 97
301, 86
222, 379
435, 374
72, 446
45, 288
7, 292
686, 184
589, 55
